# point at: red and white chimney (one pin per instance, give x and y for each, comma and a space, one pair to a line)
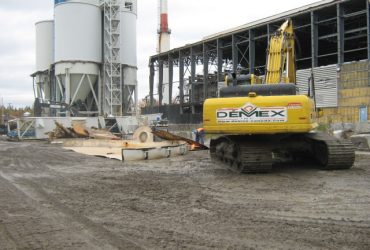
163, 30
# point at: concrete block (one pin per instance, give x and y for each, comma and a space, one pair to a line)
361, 142
342, 126
362, 127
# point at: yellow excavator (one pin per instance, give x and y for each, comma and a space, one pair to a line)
254, 125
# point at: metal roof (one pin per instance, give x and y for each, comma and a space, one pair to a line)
294, 12
274, 17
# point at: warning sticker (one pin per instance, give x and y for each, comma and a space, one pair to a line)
294, 105
250, 113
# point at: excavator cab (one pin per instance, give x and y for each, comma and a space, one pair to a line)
242, 79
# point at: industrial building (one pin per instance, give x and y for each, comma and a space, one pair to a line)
333, 39
86, 63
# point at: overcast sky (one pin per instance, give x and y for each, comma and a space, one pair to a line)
189, 20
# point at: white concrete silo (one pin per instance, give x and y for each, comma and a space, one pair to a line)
78, 53
44, 58
128, 54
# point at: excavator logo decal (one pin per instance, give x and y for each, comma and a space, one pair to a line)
250, 113
249, 108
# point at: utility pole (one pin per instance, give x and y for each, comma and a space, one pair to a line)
9, 110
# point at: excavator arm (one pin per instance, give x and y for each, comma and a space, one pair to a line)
281, 56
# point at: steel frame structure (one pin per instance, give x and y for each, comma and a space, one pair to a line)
328, 32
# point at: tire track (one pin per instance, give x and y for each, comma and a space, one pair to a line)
77, 226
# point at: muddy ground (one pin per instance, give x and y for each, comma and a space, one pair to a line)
54, 199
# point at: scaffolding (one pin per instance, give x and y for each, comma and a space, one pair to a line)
112, 64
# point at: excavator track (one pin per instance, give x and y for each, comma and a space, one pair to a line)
242, 155
254, 153
255, 158
332, 153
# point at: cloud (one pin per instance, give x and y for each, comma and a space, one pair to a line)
25, 5
17, 48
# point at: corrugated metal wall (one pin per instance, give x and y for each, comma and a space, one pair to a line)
353, 94
326, 85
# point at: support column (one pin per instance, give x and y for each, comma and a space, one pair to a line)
181, 79
170, 78
205, 71
193, 69
252, 52
57, 89
314, 40
160, 82
67, 90
368, 28
100, 91
220, 61
151, 83
53, 85
340, 31
234, 56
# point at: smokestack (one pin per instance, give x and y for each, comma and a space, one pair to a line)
163, 30
164, 17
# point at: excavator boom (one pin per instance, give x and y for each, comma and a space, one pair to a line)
281, 56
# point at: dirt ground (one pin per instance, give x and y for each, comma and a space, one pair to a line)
55, 199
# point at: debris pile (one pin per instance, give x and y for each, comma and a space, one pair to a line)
102, 143
79, 130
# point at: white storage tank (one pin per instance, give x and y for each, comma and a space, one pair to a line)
44, 58
78, 32
128, 50
95, 2
78, 51
44, 45
128, 32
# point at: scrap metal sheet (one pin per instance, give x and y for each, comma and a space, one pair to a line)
171, 137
